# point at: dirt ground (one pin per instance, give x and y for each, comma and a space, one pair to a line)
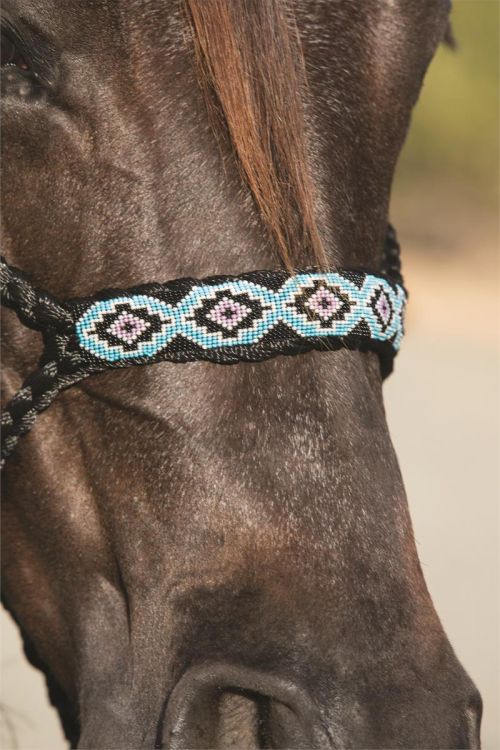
442, 405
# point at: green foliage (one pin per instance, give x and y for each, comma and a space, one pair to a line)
454, 134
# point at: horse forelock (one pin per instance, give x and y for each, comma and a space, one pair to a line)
252, 69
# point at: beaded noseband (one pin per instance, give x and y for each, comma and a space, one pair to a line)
221, 319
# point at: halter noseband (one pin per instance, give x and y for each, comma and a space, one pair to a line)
221, 319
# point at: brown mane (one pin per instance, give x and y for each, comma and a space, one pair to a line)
253, 67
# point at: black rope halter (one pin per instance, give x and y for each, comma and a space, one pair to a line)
222, 319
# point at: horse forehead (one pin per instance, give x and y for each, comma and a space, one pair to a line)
88, 21
145, 45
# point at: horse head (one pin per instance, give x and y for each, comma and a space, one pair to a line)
203, 556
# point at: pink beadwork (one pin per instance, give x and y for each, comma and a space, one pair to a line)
228, 313
128, 327
384, 308
324, 303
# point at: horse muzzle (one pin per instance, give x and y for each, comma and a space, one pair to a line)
227, 706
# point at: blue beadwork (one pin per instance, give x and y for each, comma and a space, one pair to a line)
144, 306
242, 313
223, 319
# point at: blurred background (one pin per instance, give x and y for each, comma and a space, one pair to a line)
442, 402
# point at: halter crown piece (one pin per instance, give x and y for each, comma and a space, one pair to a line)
221, 319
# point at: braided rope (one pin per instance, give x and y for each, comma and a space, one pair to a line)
35, 307
37, 393
391, 262
42, 312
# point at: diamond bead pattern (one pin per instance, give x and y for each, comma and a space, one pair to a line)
238, 312
126, 327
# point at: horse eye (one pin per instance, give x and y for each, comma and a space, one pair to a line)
11, 55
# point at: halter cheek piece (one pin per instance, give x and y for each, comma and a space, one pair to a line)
221, 319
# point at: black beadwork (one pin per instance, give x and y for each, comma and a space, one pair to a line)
63, 364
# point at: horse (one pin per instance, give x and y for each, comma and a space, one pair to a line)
201, 556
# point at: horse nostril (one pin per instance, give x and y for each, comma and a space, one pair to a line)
223, 706
237, 719
472, 721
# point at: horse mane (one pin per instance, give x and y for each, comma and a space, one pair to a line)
253, 73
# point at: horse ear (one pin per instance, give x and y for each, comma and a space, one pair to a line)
449, 37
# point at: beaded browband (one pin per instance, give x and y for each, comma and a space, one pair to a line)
221, 319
